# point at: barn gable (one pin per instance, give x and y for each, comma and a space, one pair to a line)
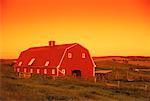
76, 62
77, 50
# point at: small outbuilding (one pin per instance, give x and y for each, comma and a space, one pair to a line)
103, 74
57, 60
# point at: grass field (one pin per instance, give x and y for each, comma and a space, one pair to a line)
42, 88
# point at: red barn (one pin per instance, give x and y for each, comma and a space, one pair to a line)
57, 60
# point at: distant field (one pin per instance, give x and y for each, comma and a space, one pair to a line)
141, 63
138, 68
133, 60
42, 88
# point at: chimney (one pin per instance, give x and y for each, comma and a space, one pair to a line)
51, 43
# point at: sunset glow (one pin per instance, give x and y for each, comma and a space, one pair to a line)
105, 27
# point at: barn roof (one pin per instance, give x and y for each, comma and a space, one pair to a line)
53, 54
56, 47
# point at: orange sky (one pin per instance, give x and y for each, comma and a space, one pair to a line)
105, 27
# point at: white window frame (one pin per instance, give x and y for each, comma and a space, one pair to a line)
31, 70
46, 63
20, 63
83, 55
25, 70
31, 61
69, 55
45, 71
38, 71
63, 71
53, 71
18, 69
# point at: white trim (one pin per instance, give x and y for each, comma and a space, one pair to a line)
25, 70
93, 66
93, 63
38, 71
92, 59
69, 55
93, 71
57, 70
45, 71
64, 54
83, 55
62, 58
53, 71
18, 69
61, 71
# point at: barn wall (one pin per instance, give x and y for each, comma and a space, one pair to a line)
77, 62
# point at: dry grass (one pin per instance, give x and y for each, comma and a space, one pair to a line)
42, 88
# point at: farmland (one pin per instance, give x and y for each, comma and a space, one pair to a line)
40, 87
130, 60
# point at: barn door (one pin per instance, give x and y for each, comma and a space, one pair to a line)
76, 73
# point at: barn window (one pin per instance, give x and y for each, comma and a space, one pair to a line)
53, 71
18, 69
31, 61
83, 55
25, 70
31, 70
45, 71
20, 63
46, 63
38, 71
69, 55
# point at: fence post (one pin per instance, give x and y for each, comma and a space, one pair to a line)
118, 84
145, 87
95, 79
